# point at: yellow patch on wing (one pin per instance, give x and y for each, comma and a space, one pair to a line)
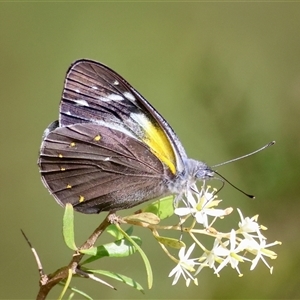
159, 144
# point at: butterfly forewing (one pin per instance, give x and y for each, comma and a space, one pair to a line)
90, 96
93, 93
91, 166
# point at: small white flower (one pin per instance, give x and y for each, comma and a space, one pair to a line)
185, 266
259, 249
202, 208
209, 258
230, 254
249, 225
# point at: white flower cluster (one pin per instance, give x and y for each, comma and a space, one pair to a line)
228, 248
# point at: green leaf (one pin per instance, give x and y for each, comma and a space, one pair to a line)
66, 285
129, 231
75, 290
91, 251
71, 296
68, 227
146, 217
143, 255
119, 277
173, 243
83, 294
163, 208
114, 231
121, 248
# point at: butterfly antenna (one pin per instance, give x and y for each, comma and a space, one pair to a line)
224, 179
244, 156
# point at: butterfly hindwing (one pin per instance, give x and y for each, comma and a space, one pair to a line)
90, 166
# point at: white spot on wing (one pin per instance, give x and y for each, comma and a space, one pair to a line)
94, 87
111, 97
103, 99
68, 113
107, 159
129, 96
116, 82
115, 97
115, 126
81, 102
77, 91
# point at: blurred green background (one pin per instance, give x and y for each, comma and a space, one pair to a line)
227, 78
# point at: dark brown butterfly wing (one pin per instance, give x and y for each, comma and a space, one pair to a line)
93, 93
97, 168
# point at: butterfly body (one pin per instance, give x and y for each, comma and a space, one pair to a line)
110, 149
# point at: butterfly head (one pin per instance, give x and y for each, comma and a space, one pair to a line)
198, 170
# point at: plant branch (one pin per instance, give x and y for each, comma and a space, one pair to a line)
47, 282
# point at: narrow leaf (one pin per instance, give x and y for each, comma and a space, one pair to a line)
163, 208
173, 243
143, 255
66, 285
146, 217
75, 290
121, 248
114, 231
91, 251
119, 277
68, 227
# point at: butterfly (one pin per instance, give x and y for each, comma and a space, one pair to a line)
110, 149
